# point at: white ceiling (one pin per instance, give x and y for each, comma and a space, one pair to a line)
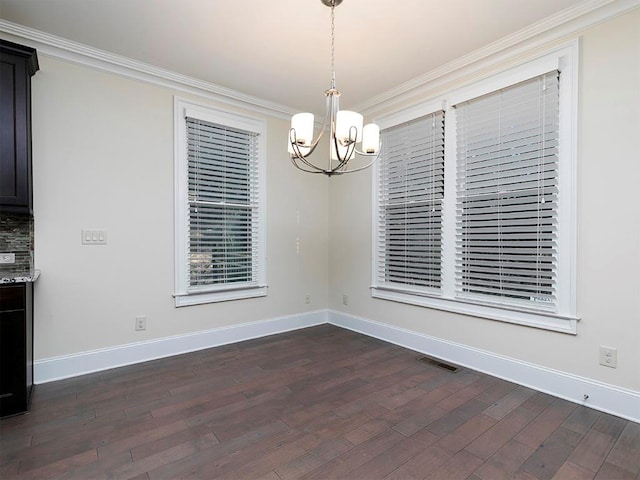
279, 50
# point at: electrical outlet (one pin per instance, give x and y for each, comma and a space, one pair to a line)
307, 298
7, 258
141, 323
608, 356
345, 299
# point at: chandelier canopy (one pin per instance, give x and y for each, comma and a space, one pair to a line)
345, 128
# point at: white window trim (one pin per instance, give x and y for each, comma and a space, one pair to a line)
564, 58
182, 109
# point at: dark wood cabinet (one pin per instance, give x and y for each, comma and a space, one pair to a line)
16, 347
17, 65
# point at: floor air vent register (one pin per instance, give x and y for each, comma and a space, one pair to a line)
436, 362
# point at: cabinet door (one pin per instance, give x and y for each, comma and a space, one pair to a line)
13, 391
15, 128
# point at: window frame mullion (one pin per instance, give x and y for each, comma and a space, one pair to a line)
449, 207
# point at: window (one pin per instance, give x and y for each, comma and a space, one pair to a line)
507, 194
411, 185
219, 205
485, 227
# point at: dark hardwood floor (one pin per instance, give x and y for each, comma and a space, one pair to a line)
319, 403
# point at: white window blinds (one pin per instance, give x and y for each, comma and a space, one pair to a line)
507, 195
410, 195
223, 243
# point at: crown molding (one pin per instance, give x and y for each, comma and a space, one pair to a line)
74, 52
566, 23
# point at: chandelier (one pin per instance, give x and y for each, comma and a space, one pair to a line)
345, 127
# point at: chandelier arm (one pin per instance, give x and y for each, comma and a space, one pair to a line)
292, 132
295, 164
356, 151
335, 171
296, 147
344, 160
365, 166
351, 147
314, 144
322, 172
341, 160
343, 163
353, 134
297, 155
341, 167
309, 164
329, 94
365, 154
293, 138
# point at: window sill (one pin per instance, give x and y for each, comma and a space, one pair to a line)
199, 298
545, 321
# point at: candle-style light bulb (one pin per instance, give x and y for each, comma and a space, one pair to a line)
348, 126
302, 123
371, 138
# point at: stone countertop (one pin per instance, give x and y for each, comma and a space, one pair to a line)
23, 277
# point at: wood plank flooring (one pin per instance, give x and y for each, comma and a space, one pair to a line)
318, 403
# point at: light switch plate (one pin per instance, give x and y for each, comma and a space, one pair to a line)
94, 237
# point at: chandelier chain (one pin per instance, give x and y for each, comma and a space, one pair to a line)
333, 41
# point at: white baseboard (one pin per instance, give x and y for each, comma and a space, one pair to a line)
57, 368
607, 398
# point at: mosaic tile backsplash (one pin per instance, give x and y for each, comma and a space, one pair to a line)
16, 236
